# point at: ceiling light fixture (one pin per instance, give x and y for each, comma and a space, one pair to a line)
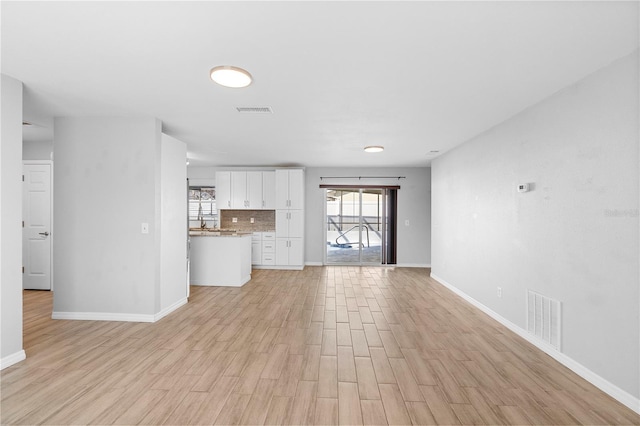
374, 148
230, 76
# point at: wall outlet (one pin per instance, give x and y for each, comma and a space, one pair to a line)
499, 292
144, 228
234, 220
252, 220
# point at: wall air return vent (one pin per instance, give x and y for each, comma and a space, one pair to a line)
544, 318
255, 110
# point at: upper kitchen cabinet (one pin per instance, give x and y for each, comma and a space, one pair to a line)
238, 190
290, 189
223, 190
269, 190
254, 191
246, 190
250, 190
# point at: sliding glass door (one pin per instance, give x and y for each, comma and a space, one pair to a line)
357, 226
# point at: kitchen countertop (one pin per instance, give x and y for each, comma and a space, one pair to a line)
197, 232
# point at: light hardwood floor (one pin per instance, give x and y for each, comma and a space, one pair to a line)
327, 345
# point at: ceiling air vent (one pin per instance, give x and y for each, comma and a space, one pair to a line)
255, 110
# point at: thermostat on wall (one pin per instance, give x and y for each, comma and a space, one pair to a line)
523, 187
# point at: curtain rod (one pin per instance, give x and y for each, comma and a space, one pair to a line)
362, 177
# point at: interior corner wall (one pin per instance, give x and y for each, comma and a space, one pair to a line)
11, 350
573, 237
173, 222
414, 205
105, 188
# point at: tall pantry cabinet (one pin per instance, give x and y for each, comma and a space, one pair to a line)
290, 218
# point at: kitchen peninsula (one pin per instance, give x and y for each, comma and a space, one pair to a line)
220, 257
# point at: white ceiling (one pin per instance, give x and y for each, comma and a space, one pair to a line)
415, 77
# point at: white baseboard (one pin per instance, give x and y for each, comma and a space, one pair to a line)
102, 316
604, 385
15, 358
399, 265
166, 311
280, 267
108, 316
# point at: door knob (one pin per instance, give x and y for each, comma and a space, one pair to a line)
46, 233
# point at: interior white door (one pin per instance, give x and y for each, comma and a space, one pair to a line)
36, 233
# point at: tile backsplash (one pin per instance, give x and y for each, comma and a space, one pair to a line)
264, 220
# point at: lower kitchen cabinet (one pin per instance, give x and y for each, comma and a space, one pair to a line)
289, 252
263, 249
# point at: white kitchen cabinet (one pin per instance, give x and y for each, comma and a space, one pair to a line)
289, 223
289, 252
256, 253
223, 190
238, 190
256, 248
290, 189
269, 190
268, 248
263, 249
254, 190
246, 191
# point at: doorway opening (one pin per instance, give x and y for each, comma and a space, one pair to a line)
37, 211
360, 225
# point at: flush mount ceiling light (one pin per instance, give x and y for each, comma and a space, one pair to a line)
374, 148
230, 76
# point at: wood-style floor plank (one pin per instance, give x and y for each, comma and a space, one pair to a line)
326, 345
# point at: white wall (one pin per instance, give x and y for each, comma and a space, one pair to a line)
173, 244
10, 223
574, 237
104, 189
414, 204
37, 150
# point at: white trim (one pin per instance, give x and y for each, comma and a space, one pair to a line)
281, 267
604, 385
313, 264
102, 316
166, 311
411, 265
15, 358
107, 316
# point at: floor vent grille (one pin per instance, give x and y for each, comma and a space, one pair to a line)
544, 318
